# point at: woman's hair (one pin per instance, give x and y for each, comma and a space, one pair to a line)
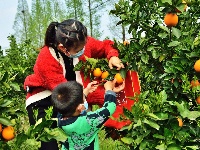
71, 33
66, 97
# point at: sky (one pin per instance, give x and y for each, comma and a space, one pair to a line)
7, 16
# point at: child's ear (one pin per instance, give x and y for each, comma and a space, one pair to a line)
80, 107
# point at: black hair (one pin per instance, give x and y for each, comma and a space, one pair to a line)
70, 33
66, 97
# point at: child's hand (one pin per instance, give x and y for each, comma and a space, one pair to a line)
91, 87
111, 85
119, 88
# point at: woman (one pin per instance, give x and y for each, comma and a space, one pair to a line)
65, 44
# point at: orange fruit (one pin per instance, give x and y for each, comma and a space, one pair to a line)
126, 43
1, 128
195, 83
97, 72
180, 122
8, 133
198, 100
197, 66
119, 78
105, 74
171, 19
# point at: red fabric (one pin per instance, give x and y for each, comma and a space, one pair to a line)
48, 72
132, 86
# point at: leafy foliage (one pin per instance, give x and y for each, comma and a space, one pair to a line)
164, 59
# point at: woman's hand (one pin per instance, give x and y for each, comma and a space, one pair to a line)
115, 61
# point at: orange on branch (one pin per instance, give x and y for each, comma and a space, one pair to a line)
97, 72
8, 133
1, 128
119, 78
198, 100
180, 122
105, 74
195, 83
171, 19
126, 43
197, 66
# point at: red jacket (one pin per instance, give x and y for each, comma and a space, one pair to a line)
49, 71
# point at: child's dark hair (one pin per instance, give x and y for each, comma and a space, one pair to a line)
66, 97
71, 33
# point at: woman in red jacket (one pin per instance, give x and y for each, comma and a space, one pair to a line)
65, 44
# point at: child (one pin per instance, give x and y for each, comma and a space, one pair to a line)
80, 126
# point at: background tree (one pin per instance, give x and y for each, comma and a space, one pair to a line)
74, 9
21, 23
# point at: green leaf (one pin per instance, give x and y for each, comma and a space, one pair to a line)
5, 121
123, 72
15, 86
167, 1
174, 43
152, 116
4, 77
152, 124
162, 116
6, 85
194, 54
162, 35
155, 54
138, 124
6, 103
176, 32
57, 133
161, 146
139, 139
173, 147
158, 136
127, 140
161, 58
150, 48
145, 58
21, 138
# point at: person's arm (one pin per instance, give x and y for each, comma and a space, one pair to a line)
100, 116
104, 49
101, 49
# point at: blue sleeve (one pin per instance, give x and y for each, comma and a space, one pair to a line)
100, 116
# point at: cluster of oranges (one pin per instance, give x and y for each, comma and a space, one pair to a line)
98, 73
8, 133
196, 82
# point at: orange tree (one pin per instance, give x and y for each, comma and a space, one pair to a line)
166, 115
15, 133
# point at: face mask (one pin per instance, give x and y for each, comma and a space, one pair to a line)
86, 107
77, 54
